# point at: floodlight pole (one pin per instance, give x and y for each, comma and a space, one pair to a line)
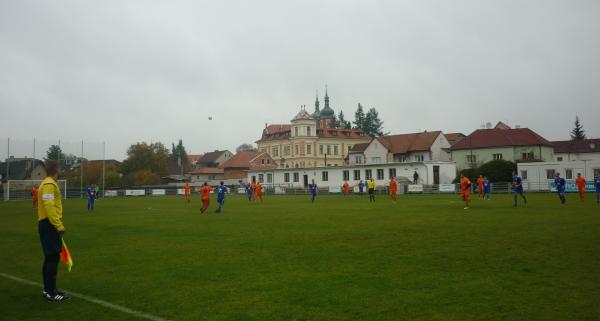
8, 159
33, 147
81, 172
103, 165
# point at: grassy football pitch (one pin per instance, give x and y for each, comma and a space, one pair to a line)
342, 258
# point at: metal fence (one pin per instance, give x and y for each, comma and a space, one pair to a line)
270, 189
82, 162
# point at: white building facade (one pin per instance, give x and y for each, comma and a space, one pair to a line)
430, 173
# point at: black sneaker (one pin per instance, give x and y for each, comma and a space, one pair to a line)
47, 296
58, 297
63, 294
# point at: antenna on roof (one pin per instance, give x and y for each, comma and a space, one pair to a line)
488, 125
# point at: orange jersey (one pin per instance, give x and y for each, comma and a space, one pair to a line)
34, 193
465, 185
393, 185
186, 189
346, 187
205, 191
580, 182
258, 189
480, 182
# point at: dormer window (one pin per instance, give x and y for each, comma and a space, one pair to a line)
295, 131
308, 131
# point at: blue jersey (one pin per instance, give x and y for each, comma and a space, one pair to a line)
361, 186
517, 184
486, 186
597, 183
221, 190
91, 192
248, 189
313, 189
560, 184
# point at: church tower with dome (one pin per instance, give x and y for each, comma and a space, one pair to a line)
310, 140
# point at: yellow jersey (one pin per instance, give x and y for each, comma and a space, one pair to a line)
50, 203
371, 185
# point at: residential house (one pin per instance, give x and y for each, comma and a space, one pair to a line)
501, 142
577, 150
211, 175
214, 159
236, 168
22, 169
413, 147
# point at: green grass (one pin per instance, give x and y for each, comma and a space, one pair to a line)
338, 259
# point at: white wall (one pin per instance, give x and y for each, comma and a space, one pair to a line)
375, 150
335, 174
437, 152
569, 157
537, 172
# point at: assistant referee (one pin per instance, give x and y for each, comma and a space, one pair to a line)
51, 229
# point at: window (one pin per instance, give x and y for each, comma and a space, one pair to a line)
296, 177
497, 156
286, 177
325, 175
320, 149
368, 174
346, 175
527, 156
309, 148
262, 161
596, 171
268, 161
471, 158
419, 158
358, 159
335, 149
287, 150
297, 149
550, 173
261, 178
380, 174
275, 152
569, 173
328, 149
392, 172
295, 131
308, 131
560, 159
524, 174
376, 160
357, 175
269, 178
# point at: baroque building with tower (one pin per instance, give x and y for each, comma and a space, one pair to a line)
310, 140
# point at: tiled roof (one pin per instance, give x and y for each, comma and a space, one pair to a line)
241, 159
359, 148
405, 143
283, 132
496, 137
212, 156
207, 170
577, 146
454, 138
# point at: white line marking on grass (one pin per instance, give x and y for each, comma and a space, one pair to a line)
90, 299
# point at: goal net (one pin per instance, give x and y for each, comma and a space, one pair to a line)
21, 189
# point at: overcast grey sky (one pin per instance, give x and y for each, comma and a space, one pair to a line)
127, 71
